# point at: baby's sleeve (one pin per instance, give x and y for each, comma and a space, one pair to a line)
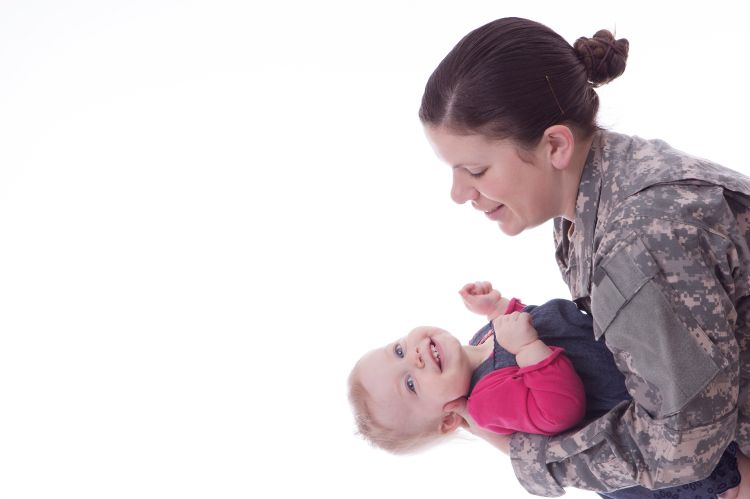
514, 305
545, 398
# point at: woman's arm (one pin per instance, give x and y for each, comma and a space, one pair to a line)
661, 300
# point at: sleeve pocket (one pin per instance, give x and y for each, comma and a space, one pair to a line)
664, 351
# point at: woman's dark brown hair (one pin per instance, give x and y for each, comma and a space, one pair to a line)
513, 78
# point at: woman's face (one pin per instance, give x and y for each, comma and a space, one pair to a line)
514, 192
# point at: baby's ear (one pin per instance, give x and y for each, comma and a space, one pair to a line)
453, 415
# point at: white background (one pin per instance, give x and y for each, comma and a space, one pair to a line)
210, 209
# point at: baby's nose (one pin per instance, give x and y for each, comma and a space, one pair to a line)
418, 358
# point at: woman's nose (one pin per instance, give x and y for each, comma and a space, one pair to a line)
460, 190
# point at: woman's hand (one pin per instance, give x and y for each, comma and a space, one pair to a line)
742, 491
481, 298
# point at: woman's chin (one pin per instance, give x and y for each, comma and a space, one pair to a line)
510, 229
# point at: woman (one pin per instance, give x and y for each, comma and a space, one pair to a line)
652, 242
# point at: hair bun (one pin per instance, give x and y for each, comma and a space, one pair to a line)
603, 56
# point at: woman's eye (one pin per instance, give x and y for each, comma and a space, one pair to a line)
478, 174
410, 384
398, 351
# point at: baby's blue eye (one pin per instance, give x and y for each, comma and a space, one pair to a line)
410, 384
398, 350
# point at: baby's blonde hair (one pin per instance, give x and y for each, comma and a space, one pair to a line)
394, 440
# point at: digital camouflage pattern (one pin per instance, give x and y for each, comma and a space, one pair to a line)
658, 253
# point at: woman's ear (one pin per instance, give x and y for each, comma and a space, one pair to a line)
453, 413
559, 143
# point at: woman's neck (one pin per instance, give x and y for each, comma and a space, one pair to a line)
573, 174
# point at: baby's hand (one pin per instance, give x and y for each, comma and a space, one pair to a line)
514, 331
481, 298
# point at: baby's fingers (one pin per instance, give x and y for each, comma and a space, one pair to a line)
467, 290
483, 287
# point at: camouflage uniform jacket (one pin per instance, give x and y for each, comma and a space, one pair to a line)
658, 253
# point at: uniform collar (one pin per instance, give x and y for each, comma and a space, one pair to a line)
575, 240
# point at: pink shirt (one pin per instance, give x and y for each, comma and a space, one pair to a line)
545, 398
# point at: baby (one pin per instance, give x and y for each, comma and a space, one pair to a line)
536, 369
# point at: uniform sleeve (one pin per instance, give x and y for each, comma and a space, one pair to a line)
663, 299
545, 398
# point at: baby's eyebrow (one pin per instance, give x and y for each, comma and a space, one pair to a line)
390, 350
399, 388
390, 353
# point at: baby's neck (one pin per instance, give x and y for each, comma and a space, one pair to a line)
478, 353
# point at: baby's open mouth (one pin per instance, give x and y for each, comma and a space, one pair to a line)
436, 355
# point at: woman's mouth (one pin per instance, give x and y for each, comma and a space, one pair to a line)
495, 213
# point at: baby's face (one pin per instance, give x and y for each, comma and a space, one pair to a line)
413, 378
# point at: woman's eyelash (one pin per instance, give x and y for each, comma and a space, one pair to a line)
477, 174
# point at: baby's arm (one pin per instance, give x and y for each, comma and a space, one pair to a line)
542, 395
500, 441
481, 298
544, 398
514, 332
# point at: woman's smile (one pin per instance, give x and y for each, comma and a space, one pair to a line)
496, 213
